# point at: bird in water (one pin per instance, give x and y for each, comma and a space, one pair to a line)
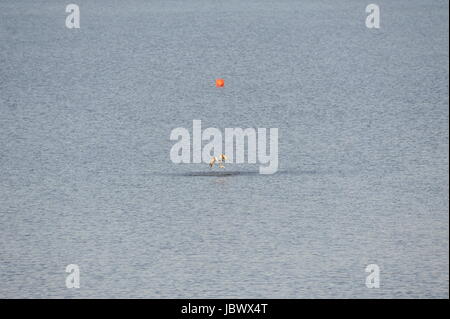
222, 158
213, 161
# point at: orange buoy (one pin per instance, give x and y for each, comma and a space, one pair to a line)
220, 83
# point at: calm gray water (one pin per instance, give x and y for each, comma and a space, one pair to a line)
86, 178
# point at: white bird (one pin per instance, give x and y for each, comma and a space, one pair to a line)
223, 158
213, 161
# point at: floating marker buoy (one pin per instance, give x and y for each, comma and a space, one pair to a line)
220, 83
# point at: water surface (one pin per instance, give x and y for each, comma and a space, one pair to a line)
86, 179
